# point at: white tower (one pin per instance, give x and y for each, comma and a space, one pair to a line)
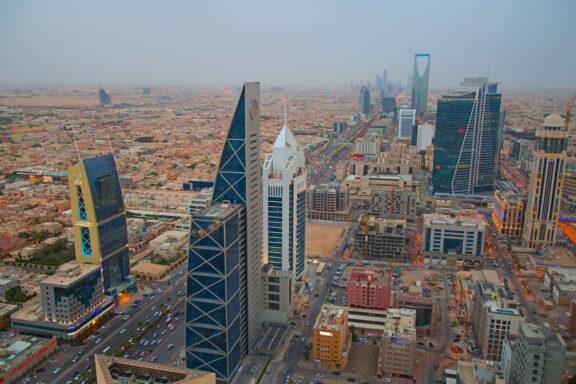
284, 205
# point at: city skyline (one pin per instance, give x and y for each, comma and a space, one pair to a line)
135, 44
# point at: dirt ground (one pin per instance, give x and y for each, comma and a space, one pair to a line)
363, 360
64, 100
321, 238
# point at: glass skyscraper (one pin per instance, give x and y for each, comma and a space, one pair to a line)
223, 324
420, 81
465, 142
284, 206
99, 221
365, 100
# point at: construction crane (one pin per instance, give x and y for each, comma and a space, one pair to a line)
568, 108
366, 224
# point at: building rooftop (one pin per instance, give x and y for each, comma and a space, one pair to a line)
112, 370
448, 221
16, 350
69, 273
373, 275
331, 318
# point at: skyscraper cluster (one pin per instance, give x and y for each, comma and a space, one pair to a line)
225, 307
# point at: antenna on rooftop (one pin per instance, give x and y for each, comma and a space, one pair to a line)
76, 143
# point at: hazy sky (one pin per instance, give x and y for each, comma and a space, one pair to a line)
526, 43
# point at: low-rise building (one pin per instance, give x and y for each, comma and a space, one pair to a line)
381, 240
538, 355
398, 347
448, 239
561, 283
277, 287
20, 355
72, 305
115, 370
495, 314
332, 340
508, 213
328, 202
369, 288
392, 204
170, 243
425, 311
479, 372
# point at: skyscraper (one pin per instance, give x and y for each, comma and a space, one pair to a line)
223, 310
546, 180
406, 122
420, 80
98, 218
284, 206
465, 142
365, 100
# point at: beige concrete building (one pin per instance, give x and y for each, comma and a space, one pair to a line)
277, 287
170, 243
332, 340
508, 213
398, 347
115, 370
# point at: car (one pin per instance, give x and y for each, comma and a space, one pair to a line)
336, 373
169, 347
319, 375
431, 345
386, 380
153, 359
302, 339
57, 370
351, 380
98, 341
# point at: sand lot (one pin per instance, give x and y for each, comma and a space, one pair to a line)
321, 238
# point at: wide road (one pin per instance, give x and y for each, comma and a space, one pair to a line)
109, 334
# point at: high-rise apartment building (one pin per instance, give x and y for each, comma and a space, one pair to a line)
420, 81
368, 145
98, 218
406, 122
340, 127
466, 138
424, 135
537, 356
393, 203
223, 310
328, 202
546, 182
284, 206
365, 100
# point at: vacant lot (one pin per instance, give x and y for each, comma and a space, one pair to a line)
363, 360
321, 238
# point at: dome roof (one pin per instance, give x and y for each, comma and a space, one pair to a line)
554, 120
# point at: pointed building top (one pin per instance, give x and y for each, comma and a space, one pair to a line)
285, 139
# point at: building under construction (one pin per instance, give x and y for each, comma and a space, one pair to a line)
381, 240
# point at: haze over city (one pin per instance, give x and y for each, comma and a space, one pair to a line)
523, 44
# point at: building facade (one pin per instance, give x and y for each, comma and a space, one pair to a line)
284, 206
466, 139
224, 268
380, 240
116, 370
539, 356
425, 311
508, 213
332, 340
98, 218
277, 291
365, 100
394, 204
369, 288
424, 136
398, 347
420, 82
329, 202
368, 146
406, 122
546, 182
496, 314
452, 238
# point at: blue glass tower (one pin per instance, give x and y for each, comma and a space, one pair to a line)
466, 139
224, 260
99, 220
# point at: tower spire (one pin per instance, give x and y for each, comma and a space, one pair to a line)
285, 111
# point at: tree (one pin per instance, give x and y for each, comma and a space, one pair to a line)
307, 355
